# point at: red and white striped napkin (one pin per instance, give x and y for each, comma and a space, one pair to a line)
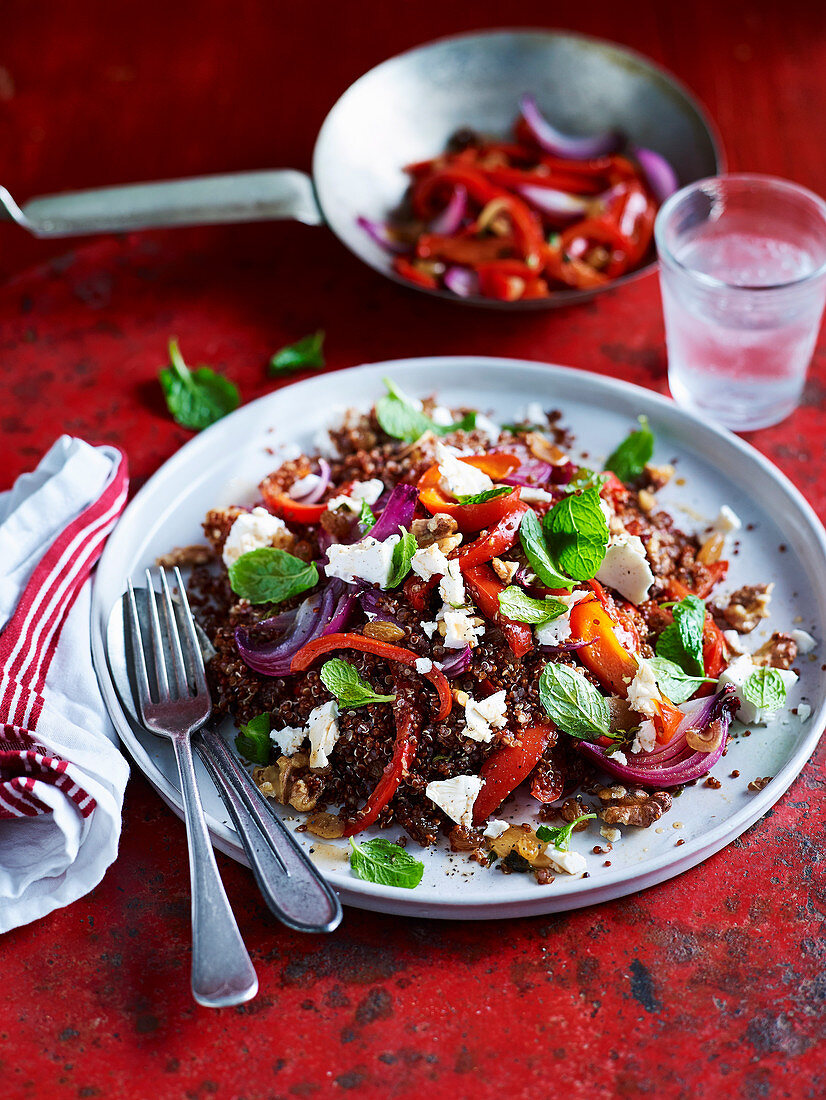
62, 777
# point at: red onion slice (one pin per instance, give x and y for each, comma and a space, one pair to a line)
659, 175
455, 664
556, 204
555, 142
463, 282
398, 512
450, 219
380, 234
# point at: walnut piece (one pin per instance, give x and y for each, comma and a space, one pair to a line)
632, 807
657, 476
434, 529
283, 782
780, 651
747, 606
505, 570
571, 809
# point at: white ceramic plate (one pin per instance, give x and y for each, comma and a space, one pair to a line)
224, 464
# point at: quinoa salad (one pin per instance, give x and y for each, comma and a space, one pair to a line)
433, 611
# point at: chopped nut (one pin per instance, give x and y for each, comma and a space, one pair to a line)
186, 555
461, 697
433, 529
327, 826
505, 570
658, 476
571, 809
464, 839
383, 631
712, 549
633, 807
647, 500
283, 783
747, 606
759, 784
301, 797
780, 651
449, 544
544, 450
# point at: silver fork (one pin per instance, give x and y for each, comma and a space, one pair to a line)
222, 973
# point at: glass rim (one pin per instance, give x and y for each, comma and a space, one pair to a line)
666, 255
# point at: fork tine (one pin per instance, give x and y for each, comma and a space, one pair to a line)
141, 675
197, 659
178, 666
157, 640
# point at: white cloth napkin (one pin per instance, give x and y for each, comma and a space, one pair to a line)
62, 777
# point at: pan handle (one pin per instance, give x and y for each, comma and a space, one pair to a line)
202, 200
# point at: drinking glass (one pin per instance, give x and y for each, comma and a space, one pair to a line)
743, 278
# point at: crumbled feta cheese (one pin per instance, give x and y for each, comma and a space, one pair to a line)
486, 425
727, 521
441, 416
304, 486
423, 665
460, 631
572, 863
646, 737
368, 491
558, 630
805, 642
484, 716
533, 495
452, 585
289, 740
737, 673
323, 732
804, 711
495, 828
625, 568
456, 796
430, 628
535, 414
251, 531
643, 693
459, 479
368, 560
429, 561
619, 757
611, 834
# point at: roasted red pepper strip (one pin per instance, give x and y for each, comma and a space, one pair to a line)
714, 573
506, 767
611, 663
471, 517
308, 653
484, 588
404, 750
283, 505
496, 540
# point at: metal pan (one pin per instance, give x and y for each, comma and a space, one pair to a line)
405, 110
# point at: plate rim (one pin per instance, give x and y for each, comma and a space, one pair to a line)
523, 900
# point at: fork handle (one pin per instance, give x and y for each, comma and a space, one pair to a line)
291, 885
222, 973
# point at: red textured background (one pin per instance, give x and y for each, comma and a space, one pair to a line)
709, 985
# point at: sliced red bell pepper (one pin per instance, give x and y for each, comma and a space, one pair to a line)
571, 271
577, 240
507, 766
556, 179
409, 271
282, 504
471, 517
404, 751
497, 540
316, 648
610, 661
484, 588
464, 249
426, 188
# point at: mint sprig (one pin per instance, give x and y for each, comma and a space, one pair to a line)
632, 455
253, 740
573, 704
765, 688
307, 352
386, 863
682, 640
515, 603
196, 398
343, 681
399, 417
560, 838
576, 532
269, 575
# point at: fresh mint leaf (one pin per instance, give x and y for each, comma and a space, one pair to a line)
577, 534
403, 553
673, 682
516, 604
399, 417
268, 575
253, 740
367, 519
765, 688
560, 838
196, 398
343, 681
536, 551
488, 494
307, 352
630, 458
384, 862
573, 703
682, 640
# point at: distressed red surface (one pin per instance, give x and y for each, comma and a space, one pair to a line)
709, 985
